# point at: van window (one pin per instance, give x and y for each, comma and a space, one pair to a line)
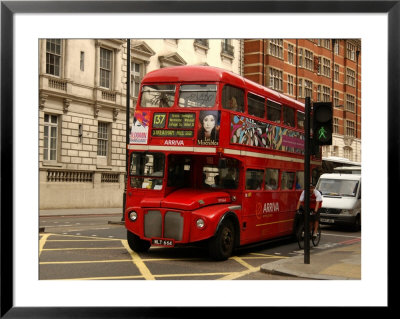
338, 187
271, 179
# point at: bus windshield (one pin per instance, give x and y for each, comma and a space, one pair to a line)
147, 170
338, 187
197, 95
162, 95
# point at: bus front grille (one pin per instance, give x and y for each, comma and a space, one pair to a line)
153, 224
173, 225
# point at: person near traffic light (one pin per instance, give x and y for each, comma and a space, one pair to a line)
315, 205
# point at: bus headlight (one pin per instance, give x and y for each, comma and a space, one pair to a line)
200, 223
132, 215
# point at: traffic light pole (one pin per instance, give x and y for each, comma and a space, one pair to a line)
307, 181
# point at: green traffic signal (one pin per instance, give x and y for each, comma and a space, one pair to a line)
322, 123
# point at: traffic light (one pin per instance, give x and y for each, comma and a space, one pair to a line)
322, 123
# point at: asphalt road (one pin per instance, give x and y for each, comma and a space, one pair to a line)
95, 248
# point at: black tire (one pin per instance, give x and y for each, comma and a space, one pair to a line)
316, 240
136, 244
300, 235
357, 223
222, 244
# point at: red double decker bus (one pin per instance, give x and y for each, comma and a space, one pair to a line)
214, 159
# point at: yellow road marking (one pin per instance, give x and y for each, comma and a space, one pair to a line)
138, 262
235, 275
42, 242
266, 256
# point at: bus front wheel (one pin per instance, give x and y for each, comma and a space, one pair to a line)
136, 244
221, 245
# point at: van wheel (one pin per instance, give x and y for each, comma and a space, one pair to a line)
136, 244
221, 245
357, 223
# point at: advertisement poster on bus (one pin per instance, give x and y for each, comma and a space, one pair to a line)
209, 125
251, 132
140, 128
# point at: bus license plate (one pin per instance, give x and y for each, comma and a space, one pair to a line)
163, 242
329, 221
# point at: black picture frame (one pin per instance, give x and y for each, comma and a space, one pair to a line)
9, 8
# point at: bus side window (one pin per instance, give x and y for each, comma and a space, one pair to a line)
300, 180
287, 180
274, 111
255, 105
233, 98
254, 179
271, 179
288, 116
300, 120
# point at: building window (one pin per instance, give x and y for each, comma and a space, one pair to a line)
82, 61
290, 53
136, 77
227, 47
336, 47
105, 68
53, 56
309, 60
290, 87
300, 58
350, 130
336, 100
276, 48
335, 151
326, 67
102, 139
351, 51
336, 73
348, 153
307, 88
275, 79
323, 93
300, 88
350, 103
50, 137
335, 125
350, 77
325, 43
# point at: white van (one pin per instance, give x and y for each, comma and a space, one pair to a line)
341, 203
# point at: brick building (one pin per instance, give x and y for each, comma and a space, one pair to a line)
323, 69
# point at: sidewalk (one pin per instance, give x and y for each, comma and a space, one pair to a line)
80, 211
342, 263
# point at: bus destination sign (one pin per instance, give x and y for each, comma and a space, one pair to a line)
179, 125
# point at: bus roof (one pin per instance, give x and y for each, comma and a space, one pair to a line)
197, 73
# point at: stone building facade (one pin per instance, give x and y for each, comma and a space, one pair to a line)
82, 107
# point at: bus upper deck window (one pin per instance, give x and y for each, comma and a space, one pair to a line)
300, 119
256, 105
197, 95
288, 116
233, 98
162, 95
274, 111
